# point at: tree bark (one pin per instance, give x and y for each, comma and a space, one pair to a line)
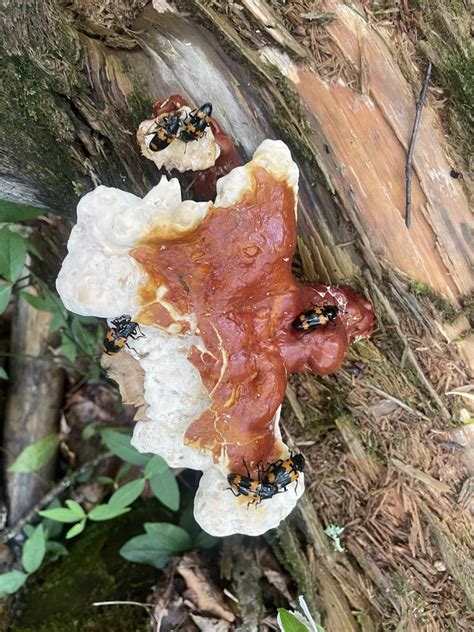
344, 99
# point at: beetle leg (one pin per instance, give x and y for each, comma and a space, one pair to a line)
232, 490
246, 467
129, 347
142, 335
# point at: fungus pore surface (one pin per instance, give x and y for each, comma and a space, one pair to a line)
211, 286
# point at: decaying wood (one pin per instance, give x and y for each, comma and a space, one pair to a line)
272, 24
34, 399
246, 576
421, 476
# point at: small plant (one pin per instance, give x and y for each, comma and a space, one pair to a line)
296, 621
334, 532
13, 247
155, 471
36, 548
161, 541
77, 188
33, 554
78, 335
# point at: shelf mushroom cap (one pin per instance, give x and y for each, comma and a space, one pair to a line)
212, 289
192, 156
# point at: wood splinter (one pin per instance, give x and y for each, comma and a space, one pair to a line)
409, 166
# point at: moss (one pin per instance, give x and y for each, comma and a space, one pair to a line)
77, 188
35, 130
296, 138
40, 55
94, 571
288, 551
139, 103
449, 312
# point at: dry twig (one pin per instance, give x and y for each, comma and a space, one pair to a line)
58, 489
409, 166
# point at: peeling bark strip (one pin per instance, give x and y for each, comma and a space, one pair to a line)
273, 25
411, 147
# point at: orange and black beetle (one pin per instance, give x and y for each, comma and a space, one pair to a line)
164, 134
317, 317
195, 123
283, 472
246, 486
117, 335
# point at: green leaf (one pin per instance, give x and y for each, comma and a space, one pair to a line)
5, 296
84, 338
57, 322
119, 444
11, 212
76, 508
61, 514
53, 529
170, 537
105, 480
123, 470
3, 374
125, 496
68, 348
34, 550
36, 455
56, 550
106, 512
34, 250
166, 489
41, 303
144, 549
86, 475
12, 254
205, 541
154, 466
11, 582
289, 623
187, 522
89, 431
76, 529
28, 530
90, 320
95, 373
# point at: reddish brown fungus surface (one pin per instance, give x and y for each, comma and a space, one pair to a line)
204, 183
234, 273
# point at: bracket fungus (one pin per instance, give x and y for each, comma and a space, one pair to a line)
210, 284
177, 154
